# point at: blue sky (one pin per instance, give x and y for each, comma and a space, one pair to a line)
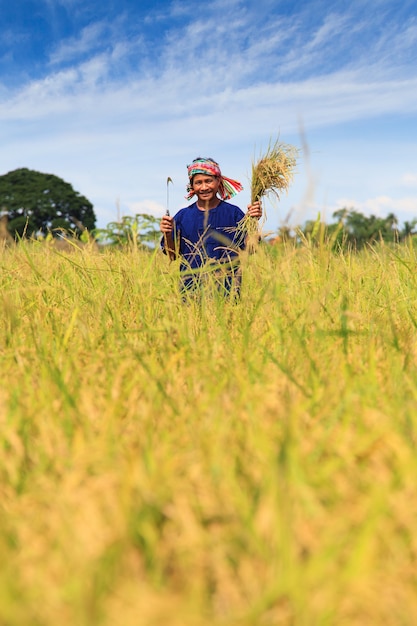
114, 96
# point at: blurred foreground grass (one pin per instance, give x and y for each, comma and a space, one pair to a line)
212, 464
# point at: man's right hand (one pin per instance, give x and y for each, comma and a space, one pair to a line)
167, 224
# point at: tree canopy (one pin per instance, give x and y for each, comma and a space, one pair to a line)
40, 203
355, 230
360, 230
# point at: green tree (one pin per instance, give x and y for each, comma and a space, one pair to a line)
40, 203
408, 229
358, 229
141, 229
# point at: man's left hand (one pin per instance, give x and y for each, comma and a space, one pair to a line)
255, 209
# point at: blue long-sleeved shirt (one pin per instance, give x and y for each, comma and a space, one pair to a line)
204, 235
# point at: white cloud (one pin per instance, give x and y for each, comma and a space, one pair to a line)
333, 26
85, 92
146, 206
409, 179
75, 47
380, 205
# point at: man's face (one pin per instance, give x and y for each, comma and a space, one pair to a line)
205, 187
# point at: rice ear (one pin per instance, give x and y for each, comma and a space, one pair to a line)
273, 172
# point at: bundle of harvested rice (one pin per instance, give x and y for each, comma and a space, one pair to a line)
271, 174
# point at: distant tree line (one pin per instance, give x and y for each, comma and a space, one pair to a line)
140, 230
39, 205
354, 230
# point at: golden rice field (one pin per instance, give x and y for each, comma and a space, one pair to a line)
208, 464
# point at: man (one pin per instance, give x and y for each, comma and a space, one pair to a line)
210, 232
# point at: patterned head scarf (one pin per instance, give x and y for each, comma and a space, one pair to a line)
227, 188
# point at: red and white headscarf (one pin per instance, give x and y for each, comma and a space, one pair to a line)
227, 188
